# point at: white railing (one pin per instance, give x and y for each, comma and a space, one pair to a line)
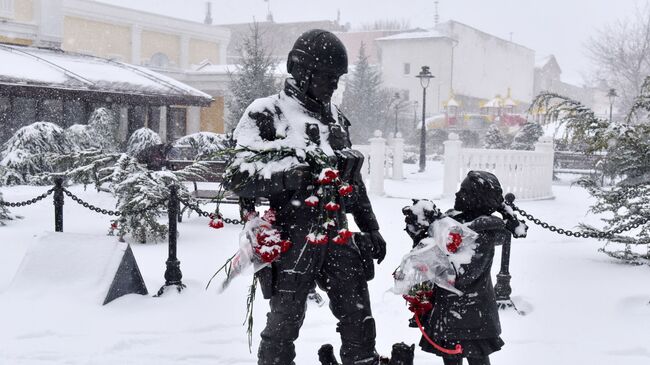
377, 165
527, 174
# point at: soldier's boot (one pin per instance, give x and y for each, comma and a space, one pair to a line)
402, 354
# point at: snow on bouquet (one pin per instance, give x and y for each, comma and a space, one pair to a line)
259, 245
437, 258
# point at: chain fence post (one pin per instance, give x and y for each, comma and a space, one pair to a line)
173, 274
58, 204
502, 289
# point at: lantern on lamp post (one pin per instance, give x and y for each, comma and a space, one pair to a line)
425, 77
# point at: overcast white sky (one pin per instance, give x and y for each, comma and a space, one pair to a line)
559, 27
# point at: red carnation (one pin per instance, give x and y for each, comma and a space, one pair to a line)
216, 223
285, 245
331, 174
332, 207
345, 233
269, 256
345, 190
312, 201
114, 225
327, 176
453, 242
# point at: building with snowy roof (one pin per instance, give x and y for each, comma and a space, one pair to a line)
44, 84
170, 47
467, 63
548, 78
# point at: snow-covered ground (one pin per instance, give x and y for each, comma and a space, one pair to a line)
581, 306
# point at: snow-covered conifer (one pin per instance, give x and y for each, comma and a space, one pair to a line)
104, 124
136, 188
80, 136
364, 101
494, 139
140, 140
204, 144
627, 143
26, 153
100, 132
253, 78
527, 136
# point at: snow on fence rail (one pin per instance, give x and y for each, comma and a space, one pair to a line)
527, 174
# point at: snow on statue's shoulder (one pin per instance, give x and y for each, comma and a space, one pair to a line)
286, 149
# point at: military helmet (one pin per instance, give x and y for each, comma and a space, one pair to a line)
318, 50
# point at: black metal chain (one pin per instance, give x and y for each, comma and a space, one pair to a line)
27, 202
600, 235
112, 212
201, 212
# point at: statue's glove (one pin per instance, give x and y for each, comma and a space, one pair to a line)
378, 246
517, 227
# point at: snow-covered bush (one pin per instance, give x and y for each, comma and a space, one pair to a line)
204, 145
81, 136
494, 139
100, 132
135, 188
26, 153
527, 136
142, 139
104, 125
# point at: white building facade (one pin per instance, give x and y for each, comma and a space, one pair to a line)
466, 62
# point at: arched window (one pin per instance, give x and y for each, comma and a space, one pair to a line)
159, 60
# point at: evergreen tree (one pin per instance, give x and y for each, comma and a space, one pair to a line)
204, 145
26, 154
253, 78
494, 139
627, 144
104, 125
365, 104
140, 140
527, 136
137, 188
99, 133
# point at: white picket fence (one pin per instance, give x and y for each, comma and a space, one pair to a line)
527, 174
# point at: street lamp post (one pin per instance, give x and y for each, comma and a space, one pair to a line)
415, 114
611, 94
396, 98
425, 77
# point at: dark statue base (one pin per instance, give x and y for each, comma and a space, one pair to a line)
401, 354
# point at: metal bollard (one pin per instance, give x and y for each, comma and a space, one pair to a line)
502, 289
58, 204
173, 274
